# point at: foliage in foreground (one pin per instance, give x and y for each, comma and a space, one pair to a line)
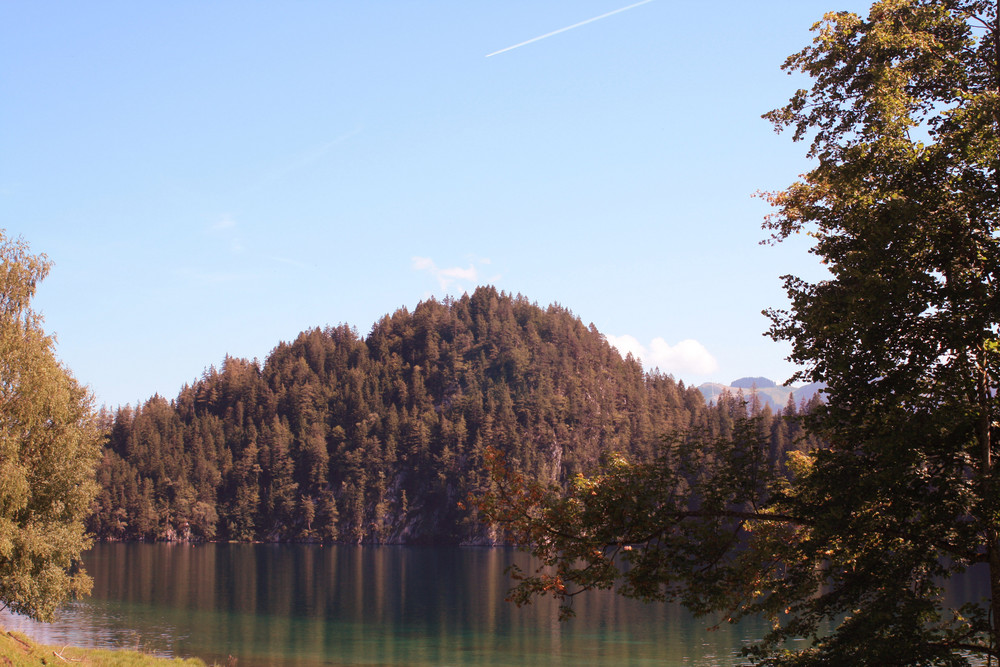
48, 450
668, 529
853, 549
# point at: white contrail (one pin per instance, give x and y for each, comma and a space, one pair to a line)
569, 27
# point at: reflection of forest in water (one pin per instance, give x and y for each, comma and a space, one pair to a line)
305, 605
310, 605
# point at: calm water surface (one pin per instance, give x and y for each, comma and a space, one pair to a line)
307, 605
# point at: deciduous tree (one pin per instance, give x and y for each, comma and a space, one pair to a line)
904, 206
48, 450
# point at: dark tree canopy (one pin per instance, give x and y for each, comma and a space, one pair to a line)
851, 544
904, 121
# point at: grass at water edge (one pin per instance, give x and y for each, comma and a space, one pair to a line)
18, 650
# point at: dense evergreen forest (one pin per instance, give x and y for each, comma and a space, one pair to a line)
379, 439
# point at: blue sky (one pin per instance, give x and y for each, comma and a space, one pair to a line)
213, 178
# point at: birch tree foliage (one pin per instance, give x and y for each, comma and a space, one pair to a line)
49, 442
851, 545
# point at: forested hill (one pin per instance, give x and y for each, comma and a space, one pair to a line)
342, 438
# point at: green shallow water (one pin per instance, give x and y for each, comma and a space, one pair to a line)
307, 605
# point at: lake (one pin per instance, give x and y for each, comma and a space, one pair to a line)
310, 605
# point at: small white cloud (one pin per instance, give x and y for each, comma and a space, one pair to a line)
453, 279
424, 264
460, 274
688, 357
627, 345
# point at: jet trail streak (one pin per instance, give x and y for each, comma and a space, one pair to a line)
569, 27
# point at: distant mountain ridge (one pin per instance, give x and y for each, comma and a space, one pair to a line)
769, 392
756, 382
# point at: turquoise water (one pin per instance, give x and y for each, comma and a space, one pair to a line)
308, 605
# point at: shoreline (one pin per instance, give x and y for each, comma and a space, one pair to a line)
20, 650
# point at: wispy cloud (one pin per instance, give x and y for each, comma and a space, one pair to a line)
569, 27
225, 223
226, 229
688, 357
310, 156
453, 279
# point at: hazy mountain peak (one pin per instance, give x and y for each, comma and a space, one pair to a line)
751, 382
769, 392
